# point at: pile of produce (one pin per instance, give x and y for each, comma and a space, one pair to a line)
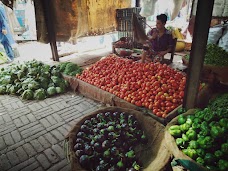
203, 136
155, 86
107, 141
215, 55
70, 68
219, 103
32, 80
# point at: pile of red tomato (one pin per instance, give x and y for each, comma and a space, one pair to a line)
152, 85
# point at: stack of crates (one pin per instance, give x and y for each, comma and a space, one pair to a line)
124, 23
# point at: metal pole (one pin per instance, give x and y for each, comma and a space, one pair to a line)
200, 36
137, 3
49, 17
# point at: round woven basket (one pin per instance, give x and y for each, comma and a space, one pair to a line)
171, 143
154, 155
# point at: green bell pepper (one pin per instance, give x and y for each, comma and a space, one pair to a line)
224, 122
175, 131
220, 112
200, 160
208, 116
191, 134
179, 142
193, 144
224, 148
218, 154
189, 121
181, 119
199, 114
181, 110
195, 125
192, 117
216, 131
185, 138
205, 142
212, 123
184, 127
209, 158
191, 153
223, 164
185, 151
174, 127
204, 132
204, 125
200, 152
197, 120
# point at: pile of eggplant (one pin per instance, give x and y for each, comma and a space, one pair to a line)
107, 141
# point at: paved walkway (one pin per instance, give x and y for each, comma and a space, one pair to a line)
32, 132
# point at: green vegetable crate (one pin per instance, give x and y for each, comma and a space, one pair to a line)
152, 154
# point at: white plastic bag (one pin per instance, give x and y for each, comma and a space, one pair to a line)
223, 41
148, 7
214, 35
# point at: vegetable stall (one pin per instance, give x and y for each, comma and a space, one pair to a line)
154, 90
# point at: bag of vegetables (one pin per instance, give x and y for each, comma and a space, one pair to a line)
116, 138
200, 137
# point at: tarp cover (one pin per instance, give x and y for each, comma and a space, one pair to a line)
77, 18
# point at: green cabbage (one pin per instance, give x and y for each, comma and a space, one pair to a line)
33, 85
27, 95
56, 79
40, 94
13, 89
2, 89
59, 90
51, 91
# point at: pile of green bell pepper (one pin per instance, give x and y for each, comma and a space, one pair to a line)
203, 136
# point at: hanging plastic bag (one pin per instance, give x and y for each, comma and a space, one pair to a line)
223, 43
148, 8
176, 8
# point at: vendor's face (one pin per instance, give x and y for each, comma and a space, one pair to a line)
160, 24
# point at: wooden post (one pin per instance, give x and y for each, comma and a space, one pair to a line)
200, 36
49, 17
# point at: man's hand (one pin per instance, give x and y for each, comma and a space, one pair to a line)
4, 31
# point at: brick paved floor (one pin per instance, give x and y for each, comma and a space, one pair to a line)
32, 132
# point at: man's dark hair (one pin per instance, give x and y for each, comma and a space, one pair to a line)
162, 18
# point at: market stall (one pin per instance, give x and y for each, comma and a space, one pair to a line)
144, 97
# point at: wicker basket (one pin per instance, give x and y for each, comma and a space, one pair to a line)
171, 143
154, 155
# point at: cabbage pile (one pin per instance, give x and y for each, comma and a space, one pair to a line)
32, 80
69, 68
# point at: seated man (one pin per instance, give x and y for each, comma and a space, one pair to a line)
160, 41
